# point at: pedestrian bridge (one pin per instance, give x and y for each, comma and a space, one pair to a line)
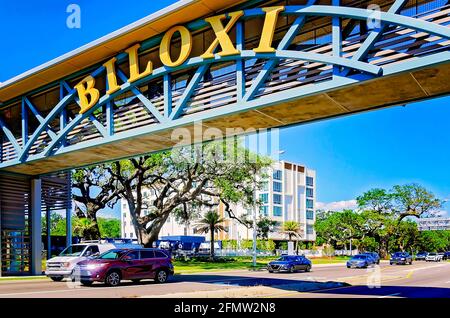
221, 64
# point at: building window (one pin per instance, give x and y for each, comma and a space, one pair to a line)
277, 199
309, 229
309, 204
309, 181
264, 198
124, 224
131, 235
124, 206
264, 210
277, 211
276, 186
277, 174
124, 215
310, 214
310, 192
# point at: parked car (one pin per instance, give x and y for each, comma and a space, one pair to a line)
401, 258
360, 261
421, 256
290, 264
125, 264
446, 256
374, 255
433, 257
60, 267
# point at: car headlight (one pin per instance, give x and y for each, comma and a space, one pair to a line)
94, 266
402, 258
66, 264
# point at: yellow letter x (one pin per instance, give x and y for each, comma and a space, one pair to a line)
221, 33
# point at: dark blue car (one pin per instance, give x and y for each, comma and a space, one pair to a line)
374, 255
360, 261
401, 258
289, 264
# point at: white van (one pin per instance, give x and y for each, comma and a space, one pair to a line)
62, 266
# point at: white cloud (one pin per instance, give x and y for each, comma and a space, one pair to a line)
337, 205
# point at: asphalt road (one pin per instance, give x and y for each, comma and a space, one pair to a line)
420, 280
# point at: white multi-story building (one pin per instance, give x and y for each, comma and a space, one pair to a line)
288, 195
433, 224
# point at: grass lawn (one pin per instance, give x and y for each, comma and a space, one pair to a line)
197, 266
2, 279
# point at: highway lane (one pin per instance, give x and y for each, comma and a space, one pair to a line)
418, 280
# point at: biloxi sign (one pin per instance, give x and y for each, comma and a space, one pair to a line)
89, 95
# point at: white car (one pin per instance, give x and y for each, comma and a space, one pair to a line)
433, 257
62, 266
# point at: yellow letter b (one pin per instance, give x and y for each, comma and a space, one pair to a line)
86, 88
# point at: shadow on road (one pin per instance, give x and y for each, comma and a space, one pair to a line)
388, 291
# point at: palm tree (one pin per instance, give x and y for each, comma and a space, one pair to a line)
292, 229
211, 223
83, 227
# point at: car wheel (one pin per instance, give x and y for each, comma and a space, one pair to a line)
291, 270
135, 281
161, 276
391, 263
56, 279
270, 271
112, 279
86, 283
308, 268
348, 266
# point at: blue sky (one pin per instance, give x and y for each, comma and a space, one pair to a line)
351, 154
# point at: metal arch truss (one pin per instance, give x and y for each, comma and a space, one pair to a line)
345, 71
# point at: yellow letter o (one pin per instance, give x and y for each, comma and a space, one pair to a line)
186, 46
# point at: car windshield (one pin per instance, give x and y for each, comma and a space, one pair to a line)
399, 254
360, 256
432, 254
73, 250
113, 254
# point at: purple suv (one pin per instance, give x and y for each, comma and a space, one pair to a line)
125, 264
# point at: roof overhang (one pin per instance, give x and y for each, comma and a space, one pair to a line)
99, 50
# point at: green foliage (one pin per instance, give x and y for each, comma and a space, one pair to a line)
434, 241
382, 221
57, 224
283, 245
328, 250
292, 229
109, 228
82, 226
265, 226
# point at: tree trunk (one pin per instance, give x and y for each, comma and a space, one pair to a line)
94, 231
148, 237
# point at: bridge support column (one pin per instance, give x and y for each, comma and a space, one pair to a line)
36, 237
68, 227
